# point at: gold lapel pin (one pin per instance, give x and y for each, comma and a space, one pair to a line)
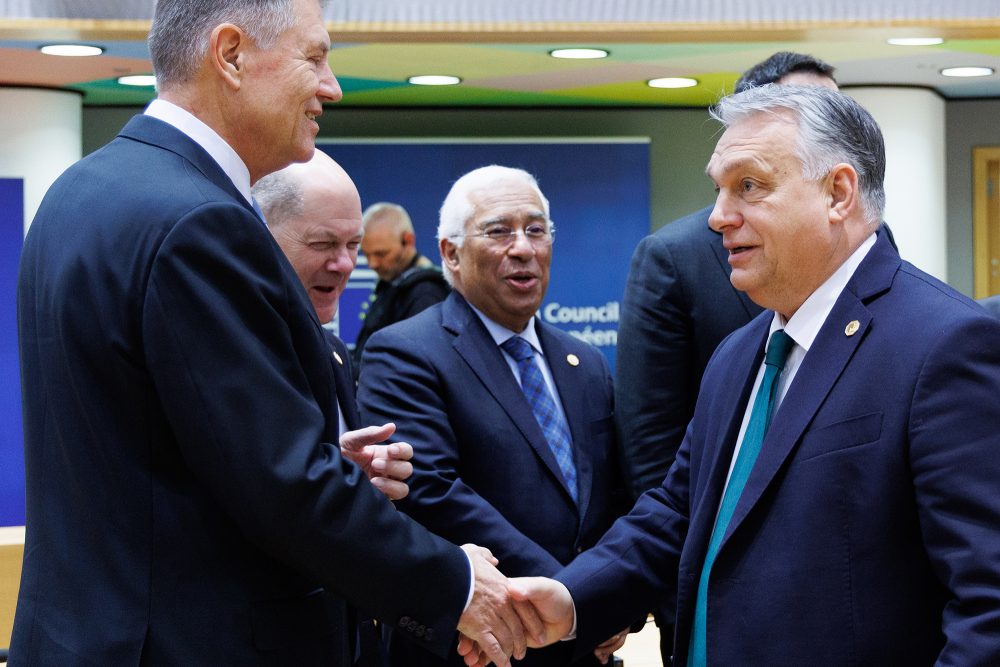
852, 327
573, 359
337, 357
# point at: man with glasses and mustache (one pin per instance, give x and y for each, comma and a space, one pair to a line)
510, 419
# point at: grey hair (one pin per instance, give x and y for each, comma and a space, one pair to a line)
388, 212
280, 197
833, 128
457, 208
179, 35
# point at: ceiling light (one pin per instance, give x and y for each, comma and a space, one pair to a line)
967, 71
137, 80
672, 82
71, 50
434, 80
915, 41
579, 54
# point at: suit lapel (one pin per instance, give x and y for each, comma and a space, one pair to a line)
476, 347
707, 493
821, 368
571, 389
343, 379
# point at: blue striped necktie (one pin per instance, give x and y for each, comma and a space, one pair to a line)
544, 408
760, 418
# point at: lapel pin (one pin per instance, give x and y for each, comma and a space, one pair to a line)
337, 357
573, 359
852, 327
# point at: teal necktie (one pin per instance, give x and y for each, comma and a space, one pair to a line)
760, 418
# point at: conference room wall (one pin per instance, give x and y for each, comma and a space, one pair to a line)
681, 141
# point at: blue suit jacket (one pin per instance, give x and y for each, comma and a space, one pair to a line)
186, 498
483, 471
869, 530
678, 306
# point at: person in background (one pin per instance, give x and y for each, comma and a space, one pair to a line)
834, 499
188, 498
510, 418
408, 282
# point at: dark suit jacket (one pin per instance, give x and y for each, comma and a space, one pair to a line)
483, 471
678, 306
186, 498
869, 530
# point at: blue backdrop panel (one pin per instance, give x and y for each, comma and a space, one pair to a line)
598, 192
11, 440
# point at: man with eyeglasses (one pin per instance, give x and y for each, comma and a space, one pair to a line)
510, 419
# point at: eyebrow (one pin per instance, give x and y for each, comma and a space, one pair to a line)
732, 165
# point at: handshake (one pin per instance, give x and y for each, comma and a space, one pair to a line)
508, 616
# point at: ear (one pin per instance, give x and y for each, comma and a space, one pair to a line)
227, 44
842, 184
409, 238
449, 254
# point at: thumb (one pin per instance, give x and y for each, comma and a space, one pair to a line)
369, 435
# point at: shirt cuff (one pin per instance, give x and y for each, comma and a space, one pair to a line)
472, 585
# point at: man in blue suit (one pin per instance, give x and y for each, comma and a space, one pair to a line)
187, 500
863, 525
678, 306
487, 467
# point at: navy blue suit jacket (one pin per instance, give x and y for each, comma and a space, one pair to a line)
186, 498
678, 306
483, 472
869, 530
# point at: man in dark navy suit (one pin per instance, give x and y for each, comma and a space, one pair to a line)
188, 501
678, 306
533, 478
314, 213
834, 504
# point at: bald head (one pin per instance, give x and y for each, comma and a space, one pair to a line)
314, 212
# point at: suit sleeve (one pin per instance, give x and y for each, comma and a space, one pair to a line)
634, 566
955, 459
656, 358
219, 346
401, 383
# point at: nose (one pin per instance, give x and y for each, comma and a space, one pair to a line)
521, 245
340, 261
724, 214
329, 87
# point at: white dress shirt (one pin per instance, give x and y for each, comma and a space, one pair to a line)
803, 327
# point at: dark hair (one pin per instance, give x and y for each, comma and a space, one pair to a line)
780, 64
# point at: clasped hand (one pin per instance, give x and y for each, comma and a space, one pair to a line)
533, 612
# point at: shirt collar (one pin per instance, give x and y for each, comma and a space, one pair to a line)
500, 333
207, 138
805, 324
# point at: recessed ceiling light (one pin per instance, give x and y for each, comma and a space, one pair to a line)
672, 82
434, 80
967, 71
915, 41
579, 54
137, 80
71, 50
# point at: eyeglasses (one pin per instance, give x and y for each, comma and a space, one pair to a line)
538, 235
